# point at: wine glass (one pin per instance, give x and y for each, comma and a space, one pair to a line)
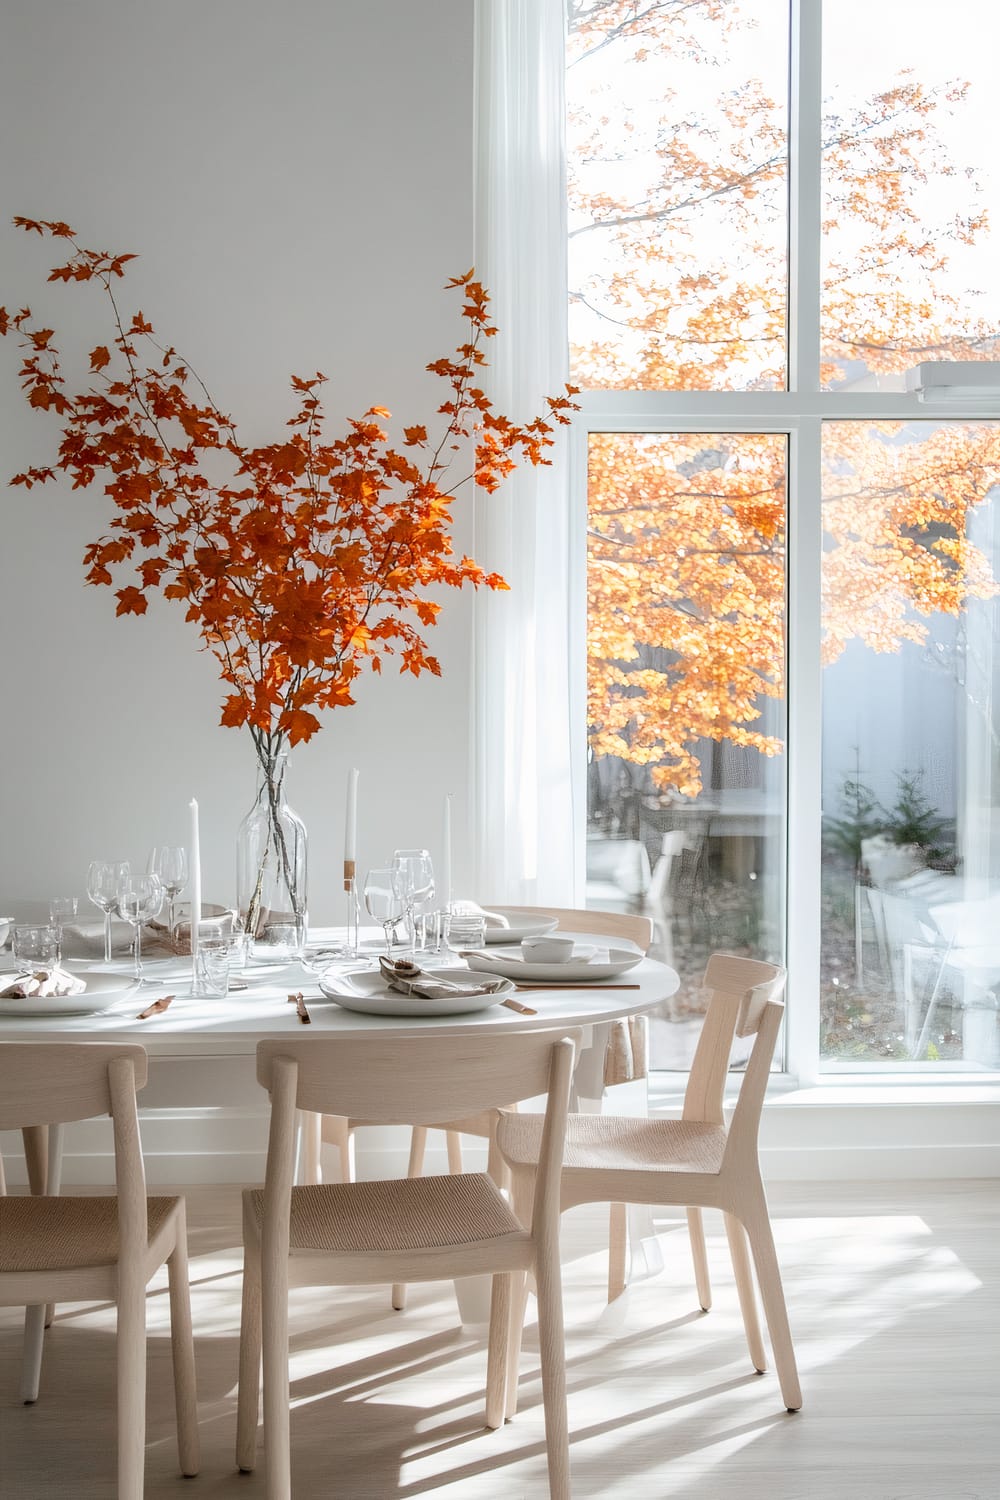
385, 900
417, 873
103, 879
169, 863
138, 900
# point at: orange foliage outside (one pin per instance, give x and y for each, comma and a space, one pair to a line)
686, 534
300, 561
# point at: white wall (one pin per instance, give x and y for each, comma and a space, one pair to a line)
296, 179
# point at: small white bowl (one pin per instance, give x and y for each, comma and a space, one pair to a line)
548, 948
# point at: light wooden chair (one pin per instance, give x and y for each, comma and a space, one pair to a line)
626, 1038
99, 1249
422, 1229
695, 1162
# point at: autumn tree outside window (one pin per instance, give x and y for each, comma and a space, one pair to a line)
776, 525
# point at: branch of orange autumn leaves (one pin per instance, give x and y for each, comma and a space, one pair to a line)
299, 561
686, 577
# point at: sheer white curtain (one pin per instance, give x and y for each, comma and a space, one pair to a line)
524, 784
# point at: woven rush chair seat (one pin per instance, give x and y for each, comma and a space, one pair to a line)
399, 1215
63, 1234
618, 1141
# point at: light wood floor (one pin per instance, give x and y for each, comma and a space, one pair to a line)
892, 1293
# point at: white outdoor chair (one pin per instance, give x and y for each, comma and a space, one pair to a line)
99, 1249
694, 1162
416, 1229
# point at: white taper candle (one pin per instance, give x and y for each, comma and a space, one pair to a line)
351, 826
194, 856
446, 860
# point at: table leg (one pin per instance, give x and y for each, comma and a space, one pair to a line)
36, 1156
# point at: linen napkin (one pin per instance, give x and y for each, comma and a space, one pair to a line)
473, 909
409, 979
43, 983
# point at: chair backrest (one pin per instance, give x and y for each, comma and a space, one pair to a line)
417, 1081
613, 924
54, 1083
740, 991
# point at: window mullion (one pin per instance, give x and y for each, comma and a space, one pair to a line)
805, 745
805, 157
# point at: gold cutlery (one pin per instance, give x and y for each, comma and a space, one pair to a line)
525, 1010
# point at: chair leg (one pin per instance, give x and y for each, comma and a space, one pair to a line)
274, 1345
758, 1227
346, 1162
310, 1137
696, 1234
31, 1358
521, 1196
36, 1319
740, 1257
553, 1358
415, 1167
454, 1142
182, 1350
131, 1361
617, 1249
496, 1362
496, 1167
248, 1399
53, 1185
518, 1309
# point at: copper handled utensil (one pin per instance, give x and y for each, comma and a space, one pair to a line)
524, 1010
568, 984
299, 1001
155, 1009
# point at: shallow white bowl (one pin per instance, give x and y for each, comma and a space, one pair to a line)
549, 948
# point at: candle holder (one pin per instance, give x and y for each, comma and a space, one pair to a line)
352, 935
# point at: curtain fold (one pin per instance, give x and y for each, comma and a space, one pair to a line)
525, 792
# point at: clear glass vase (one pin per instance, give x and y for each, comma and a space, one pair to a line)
271, 868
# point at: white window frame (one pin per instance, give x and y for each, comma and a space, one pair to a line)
799, 413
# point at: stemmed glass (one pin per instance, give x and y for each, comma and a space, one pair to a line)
138, 900
385, 900
103, 879
417, 875
169, 863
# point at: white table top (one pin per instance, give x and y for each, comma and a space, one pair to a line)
194, 1026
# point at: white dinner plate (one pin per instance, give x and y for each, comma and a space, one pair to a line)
605, 961
365, 990
103, 989
521, 926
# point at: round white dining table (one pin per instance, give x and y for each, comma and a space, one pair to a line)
201, 1029
233, 1024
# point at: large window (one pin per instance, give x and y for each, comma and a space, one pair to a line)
785, 317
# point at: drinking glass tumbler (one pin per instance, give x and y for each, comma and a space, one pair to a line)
212, 964
37, 947
465, 930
